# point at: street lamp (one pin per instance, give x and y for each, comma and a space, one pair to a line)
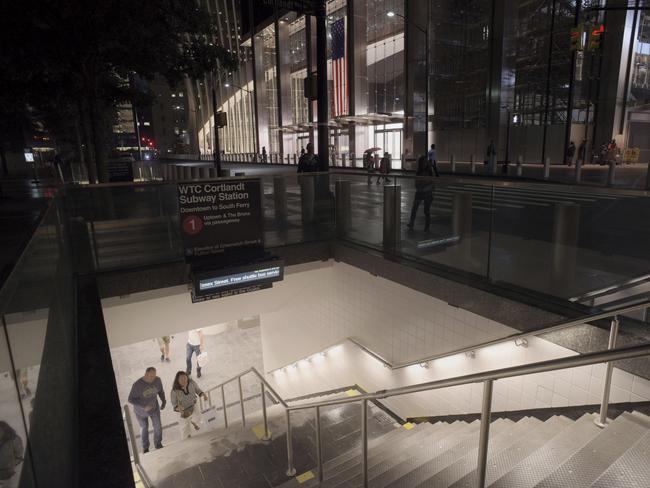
391, 14
229, 85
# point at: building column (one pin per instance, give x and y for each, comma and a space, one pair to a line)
500, 89
310, 35
260, 95
357, 64
612, 89
283, 70
416, 80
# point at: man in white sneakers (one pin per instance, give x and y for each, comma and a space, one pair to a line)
195, 345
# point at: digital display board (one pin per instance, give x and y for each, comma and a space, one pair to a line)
219, 283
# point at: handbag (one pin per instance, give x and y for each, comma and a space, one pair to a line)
203, 359
187, 412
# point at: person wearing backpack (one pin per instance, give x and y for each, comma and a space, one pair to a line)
11, 451
183, 396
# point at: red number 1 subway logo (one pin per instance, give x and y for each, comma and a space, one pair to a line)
192, 224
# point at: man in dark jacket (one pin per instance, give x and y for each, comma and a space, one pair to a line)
423, 192
308, 162
144, 398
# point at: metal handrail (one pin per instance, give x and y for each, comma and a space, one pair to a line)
487, 378
608, 290
617, 310
586, 359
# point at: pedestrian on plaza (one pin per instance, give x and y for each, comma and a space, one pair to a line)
183, 396
58, 165
308, 162
602, 154
432, 157
581, 151
11, 451
612, 151
264, 154
570, 151
369, 165
163, 344
375, 160
195, 345
144, 398
384, 168
302, 151
490, 156
423, 192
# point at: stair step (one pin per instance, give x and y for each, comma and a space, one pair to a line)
439, 462
544, 460
351, 458
382, 457
502, 462
448, 438
398, 454
468, 462
587, 464
436, 450
631, 470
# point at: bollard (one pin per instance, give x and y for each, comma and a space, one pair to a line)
520, 166
611, 173
493, 164
547, 168
392, 216
343, 159
307, 194
295, 159
225, 173
280, 198
472, 164
452, 161
566, 229
578, 174
343, 208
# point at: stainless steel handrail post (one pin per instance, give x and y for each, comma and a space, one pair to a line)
129, 425
604, 404
291, 471
241, 403
364, 442
484, 437
267, 435
319, 446
223, 403
210, 398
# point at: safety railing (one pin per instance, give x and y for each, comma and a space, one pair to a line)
134, 447
487, 378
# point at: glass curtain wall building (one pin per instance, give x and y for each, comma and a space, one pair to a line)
456, 73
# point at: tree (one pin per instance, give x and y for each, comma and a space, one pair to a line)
72, 59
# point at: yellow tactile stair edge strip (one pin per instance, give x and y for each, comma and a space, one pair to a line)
408, 425
306, 476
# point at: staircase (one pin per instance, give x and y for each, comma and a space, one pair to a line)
528, 453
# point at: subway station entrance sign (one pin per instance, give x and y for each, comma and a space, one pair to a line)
220, 216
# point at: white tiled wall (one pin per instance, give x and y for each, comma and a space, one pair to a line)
397, 322
403, 325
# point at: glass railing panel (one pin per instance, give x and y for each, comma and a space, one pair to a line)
566, 241
37, 351
458, 232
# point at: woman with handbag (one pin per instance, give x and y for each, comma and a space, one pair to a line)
11, 452
184, 395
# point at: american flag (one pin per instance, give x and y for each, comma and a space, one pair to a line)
339, 68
